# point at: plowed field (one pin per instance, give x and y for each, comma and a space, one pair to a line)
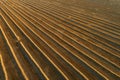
43, 41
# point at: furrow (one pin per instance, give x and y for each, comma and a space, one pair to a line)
45, 67
54, 60
94, 36
23, 61
97, 21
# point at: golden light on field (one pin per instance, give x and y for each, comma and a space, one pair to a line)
59, 40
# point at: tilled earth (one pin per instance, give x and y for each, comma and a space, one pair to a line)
59, 40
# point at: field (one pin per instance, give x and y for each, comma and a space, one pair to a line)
52, 40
